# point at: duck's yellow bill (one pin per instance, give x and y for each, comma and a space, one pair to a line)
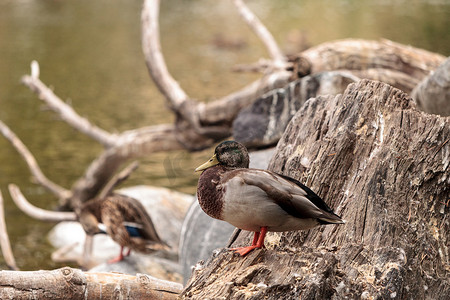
210, 163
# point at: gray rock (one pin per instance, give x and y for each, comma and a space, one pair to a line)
69, 237
432, 94
263, 123
200, 236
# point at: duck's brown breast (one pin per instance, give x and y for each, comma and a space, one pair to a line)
210, 192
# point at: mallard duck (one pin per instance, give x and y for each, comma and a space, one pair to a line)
257, 200
125, 220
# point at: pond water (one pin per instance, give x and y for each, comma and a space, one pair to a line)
90, 53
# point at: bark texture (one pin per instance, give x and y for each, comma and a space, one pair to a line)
382, 165
67, 283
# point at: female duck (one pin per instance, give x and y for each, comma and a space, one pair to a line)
125, 220
257, 200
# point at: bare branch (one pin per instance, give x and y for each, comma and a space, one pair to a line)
65, 111
196, 128
117, 179
156, 65
226, 108
35, 70
4, 239
259, 67
279, 60
131, 144
31, 162
36, 212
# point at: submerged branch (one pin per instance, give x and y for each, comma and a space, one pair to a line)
36, 212
32, 163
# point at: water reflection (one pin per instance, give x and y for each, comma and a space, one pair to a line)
90, 52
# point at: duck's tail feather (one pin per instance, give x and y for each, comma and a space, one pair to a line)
330, 218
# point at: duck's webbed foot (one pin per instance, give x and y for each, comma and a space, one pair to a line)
258, 242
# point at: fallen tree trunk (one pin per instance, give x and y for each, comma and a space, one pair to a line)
382, 165
358, 54
68, 283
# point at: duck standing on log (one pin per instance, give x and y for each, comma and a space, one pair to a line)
257, 200
125, 220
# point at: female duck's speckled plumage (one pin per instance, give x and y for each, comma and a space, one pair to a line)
124, 219
257, 200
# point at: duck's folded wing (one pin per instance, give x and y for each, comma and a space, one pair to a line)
113, 221
296, 200
133, 211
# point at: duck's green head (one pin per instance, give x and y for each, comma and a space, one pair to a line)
230, 154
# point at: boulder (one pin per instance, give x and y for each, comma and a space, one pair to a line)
432, 94
263, 123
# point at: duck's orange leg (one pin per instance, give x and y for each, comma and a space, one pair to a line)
118, 258
258, 242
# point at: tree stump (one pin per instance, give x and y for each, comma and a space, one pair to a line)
384, 167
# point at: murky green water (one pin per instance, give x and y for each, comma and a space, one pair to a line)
90, 52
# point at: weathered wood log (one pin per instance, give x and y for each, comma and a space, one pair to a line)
358, 54
381, 164
399, 65
432, 94
68, 283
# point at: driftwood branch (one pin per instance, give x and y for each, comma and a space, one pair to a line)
36, 212
157, 68
32, 163
68, 283
186, 110
357, 54
117, 179
277, 56
198, 125
4, 239
132, 144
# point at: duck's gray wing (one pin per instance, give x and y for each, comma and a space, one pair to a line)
297, 200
